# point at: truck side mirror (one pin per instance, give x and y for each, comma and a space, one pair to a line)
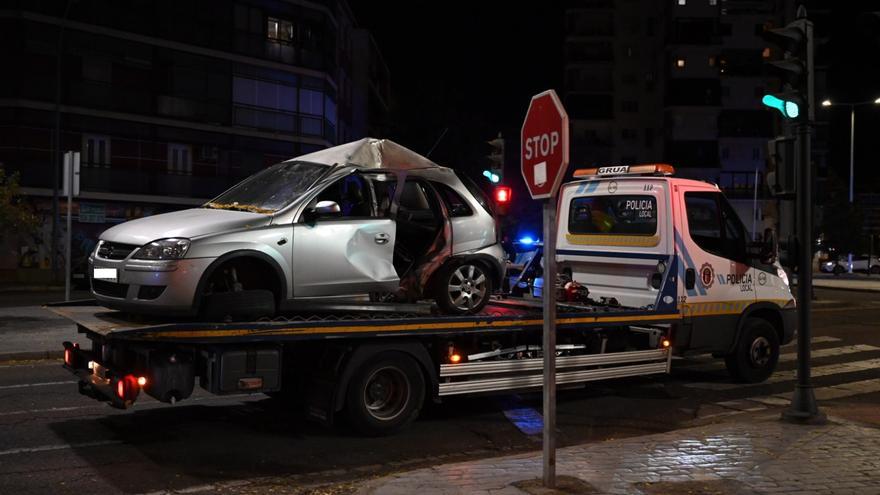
771, 247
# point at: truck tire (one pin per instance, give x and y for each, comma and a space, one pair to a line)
240, 305
462, 288
385, 394
756, 353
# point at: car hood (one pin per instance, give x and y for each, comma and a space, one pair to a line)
189, 224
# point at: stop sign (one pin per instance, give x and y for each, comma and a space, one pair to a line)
544, 145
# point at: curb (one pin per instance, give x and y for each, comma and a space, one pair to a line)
851, 289
7, 357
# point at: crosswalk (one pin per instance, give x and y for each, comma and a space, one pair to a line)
857, 360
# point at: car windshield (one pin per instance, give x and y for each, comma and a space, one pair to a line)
271, 189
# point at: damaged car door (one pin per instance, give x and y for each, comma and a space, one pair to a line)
343, 242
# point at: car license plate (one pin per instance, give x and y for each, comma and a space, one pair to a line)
108, 274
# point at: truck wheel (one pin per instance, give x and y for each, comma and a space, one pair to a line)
756, 354
462, 288
385, 394
241, 305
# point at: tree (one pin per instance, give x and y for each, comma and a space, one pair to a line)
15, 215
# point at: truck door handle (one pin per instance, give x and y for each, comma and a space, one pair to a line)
690, 278
382, 238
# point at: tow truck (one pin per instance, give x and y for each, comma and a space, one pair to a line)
652, 266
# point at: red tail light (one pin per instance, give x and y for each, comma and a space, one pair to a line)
502, 194
120, 389
67, 357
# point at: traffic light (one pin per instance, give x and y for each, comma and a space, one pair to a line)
495, 172
780, 167
503, 195
795, 69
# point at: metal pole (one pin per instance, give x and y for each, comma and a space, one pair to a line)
549, 345
56, 144
755, 208
68, 168
852, 140
803, 408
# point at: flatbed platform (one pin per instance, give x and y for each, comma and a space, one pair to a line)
505, 315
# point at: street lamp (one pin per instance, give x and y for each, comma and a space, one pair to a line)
852, 139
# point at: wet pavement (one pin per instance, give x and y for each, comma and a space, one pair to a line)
753, 455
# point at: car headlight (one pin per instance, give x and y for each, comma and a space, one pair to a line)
829, 264
782, 276
163, 249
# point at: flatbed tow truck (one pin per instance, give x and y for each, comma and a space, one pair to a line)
378, 366
665, 261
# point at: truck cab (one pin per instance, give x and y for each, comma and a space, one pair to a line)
646, 239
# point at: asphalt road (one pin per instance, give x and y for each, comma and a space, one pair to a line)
52, 440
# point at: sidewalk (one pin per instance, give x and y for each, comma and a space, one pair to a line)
864, 283
755, 455
29, 331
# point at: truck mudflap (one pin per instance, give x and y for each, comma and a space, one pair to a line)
98, 382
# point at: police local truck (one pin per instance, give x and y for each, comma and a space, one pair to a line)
666, 261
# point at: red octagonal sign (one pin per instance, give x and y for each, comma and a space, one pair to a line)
544, 145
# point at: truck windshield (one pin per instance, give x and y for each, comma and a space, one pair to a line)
271, 189
628, 215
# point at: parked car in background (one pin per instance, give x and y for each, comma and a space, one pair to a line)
859, 264
367, 217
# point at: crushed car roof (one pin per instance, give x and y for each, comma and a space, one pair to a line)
370, 153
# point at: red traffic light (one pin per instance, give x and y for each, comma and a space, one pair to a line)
502, 195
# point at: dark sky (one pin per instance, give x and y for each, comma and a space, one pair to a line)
472, 67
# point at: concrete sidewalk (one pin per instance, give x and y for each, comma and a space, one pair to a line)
755, 455
864, 283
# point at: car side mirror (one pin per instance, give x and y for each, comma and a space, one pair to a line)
322, 209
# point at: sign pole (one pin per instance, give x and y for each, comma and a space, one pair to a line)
68, 181
548, 294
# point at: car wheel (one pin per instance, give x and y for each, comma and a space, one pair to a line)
462, 288
385, 395
238, 305
838, 270
756, 353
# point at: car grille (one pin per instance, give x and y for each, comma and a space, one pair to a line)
110, 289
115, 250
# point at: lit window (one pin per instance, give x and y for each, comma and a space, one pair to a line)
95, 150
682, 2
279, 30
179, 159
679, 62
711, 61
766, 53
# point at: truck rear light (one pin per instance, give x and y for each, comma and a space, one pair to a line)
455, 358
120, 389
128, 387
68, 357
251, 383
142, 381
665, 343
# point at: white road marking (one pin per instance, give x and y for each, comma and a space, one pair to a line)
784, 376
790, 356
49, 448
43, 384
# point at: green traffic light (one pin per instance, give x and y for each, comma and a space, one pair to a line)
788, 109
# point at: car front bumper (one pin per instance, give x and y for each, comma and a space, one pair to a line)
149, 287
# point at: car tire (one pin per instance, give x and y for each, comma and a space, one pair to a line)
462, 288
238, 305
838, 270
385, 394
756, 354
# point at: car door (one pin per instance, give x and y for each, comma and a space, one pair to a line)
350, 251
719, 281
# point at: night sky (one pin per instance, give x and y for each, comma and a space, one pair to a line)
472, 67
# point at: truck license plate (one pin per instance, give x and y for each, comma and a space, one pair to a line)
108, 274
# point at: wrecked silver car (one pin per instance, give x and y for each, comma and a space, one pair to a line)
367, 217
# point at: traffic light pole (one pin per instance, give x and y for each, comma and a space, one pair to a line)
803, 408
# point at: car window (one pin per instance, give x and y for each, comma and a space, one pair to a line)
714, 226
455, 204
351, 193
618, 214
477, 193
271, 189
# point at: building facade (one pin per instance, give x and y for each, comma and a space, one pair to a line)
170, 102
